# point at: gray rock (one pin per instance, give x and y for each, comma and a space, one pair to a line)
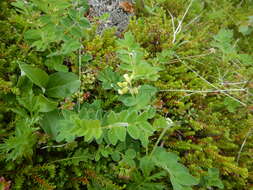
118, 17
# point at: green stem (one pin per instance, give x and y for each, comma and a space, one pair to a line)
141, 8
79, 74
66, 159
158, 140
22, 34
118, 124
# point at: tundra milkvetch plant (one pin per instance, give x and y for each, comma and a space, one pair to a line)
135, 121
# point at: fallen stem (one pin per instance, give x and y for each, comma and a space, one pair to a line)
203, 91
158, 140
54, 146
243, 144
225, 93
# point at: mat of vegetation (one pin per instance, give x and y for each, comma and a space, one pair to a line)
154, 96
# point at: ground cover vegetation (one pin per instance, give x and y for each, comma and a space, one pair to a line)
166, 104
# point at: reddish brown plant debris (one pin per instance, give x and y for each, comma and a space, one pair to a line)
126, 6
6, 185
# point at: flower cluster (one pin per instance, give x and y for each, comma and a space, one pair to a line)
126, 86
88, 80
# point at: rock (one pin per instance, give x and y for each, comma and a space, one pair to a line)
118, 18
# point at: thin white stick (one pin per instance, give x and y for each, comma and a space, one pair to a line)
220, 76
233, 83
79, 75
243, 144
54, 146
173, 22
210, 83
240, 4
193, 20
179, 26
204, 91
190, 56
186, 96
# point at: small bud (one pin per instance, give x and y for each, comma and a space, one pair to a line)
135, 90
212, 50
120, 92
127, 78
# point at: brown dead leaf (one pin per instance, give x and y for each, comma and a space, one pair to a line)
126, 6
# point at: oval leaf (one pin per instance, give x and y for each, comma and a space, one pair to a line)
61, 85
133, 131
50, 123
46, 105
112, 136
36, 75
121, 133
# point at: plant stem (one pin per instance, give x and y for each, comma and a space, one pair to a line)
158, 140
22, 35
204, 91
79, 75
243, 144
195, 72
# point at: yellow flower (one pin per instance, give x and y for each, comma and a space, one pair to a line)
123, 91
122, 84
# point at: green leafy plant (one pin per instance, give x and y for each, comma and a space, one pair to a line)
112, 127
212, 179
87, 111
247, 27
16, 147
55, 23
179, 176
